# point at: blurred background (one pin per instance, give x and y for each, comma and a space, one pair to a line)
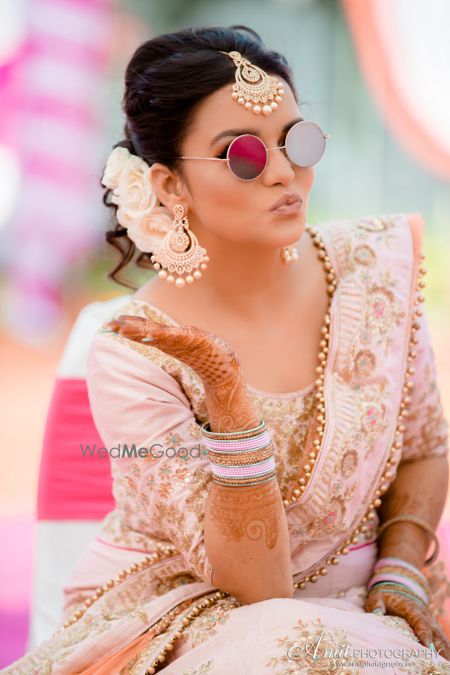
372, 73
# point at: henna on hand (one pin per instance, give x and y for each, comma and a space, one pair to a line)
418, 617
226, 396
419, 488
254, 513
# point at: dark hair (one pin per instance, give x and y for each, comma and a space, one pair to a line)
166, 78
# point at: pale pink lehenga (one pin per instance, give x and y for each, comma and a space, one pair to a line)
139, 395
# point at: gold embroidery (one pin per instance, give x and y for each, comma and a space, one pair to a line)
349, 463
330, 521
364, 363
312, 639
374, 223
365, 255
171, 582
383, 312
202, 669
206, 624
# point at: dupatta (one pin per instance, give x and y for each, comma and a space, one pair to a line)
139, 394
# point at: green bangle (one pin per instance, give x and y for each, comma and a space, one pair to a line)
392, 587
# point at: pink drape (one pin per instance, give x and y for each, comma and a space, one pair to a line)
402, 49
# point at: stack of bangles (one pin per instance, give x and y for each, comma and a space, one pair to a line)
394, 575
240, 457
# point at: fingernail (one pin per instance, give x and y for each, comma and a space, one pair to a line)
147, 339
431, 646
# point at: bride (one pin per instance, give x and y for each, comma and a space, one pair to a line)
280, 461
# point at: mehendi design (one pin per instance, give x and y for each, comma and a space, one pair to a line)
216, 363
253, 512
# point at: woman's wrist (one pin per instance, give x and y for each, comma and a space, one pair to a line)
240, 458
229, 406
406, 541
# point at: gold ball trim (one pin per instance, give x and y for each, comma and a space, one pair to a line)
388, 474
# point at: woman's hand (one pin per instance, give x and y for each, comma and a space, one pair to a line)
209, 355
418, 616
226, 396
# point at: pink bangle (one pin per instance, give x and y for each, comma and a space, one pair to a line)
255, 443
399, 562
404, 581
243, 458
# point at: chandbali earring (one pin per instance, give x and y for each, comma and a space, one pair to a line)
180, 253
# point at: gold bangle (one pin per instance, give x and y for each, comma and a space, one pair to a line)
410, 517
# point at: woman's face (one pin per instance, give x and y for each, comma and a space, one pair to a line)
222, 204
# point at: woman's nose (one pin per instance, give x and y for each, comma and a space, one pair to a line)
279, 169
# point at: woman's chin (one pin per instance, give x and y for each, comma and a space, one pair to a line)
288, 230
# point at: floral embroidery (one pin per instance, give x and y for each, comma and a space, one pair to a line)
365, 255
400, 624
205, 625
372, 416
427, 431
171, 582
202, 669
349, 463
383, 313
364, 363
374, 223
299, 650
331, 521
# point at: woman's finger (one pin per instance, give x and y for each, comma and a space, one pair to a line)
440, 641
374, 603
414, 614
423, 623
137, 328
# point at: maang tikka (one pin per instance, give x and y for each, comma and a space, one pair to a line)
179, 256
255, 89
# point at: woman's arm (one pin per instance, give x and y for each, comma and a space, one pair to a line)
246, 534
420, 488
245, 529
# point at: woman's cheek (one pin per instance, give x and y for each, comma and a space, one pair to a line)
308, 179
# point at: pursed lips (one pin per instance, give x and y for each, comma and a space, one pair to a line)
288, 199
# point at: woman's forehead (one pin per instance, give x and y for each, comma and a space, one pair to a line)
219, 112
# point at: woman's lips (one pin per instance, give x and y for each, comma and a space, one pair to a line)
288, 208
290, 202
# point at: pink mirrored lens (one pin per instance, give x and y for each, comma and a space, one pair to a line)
305, 143
247, 157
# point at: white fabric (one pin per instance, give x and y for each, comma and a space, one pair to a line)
73, 361
59, 545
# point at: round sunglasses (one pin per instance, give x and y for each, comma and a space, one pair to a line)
247, 155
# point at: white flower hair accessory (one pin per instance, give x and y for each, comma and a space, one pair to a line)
129, 178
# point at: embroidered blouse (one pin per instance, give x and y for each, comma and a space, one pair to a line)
141, 396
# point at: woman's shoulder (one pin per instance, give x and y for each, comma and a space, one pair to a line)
114, 358
375, 223
362, 240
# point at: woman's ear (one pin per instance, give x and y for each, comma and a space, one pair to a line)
168, 185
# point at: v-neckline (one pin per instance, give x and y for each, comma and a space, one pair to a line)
292, 396
262, 393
